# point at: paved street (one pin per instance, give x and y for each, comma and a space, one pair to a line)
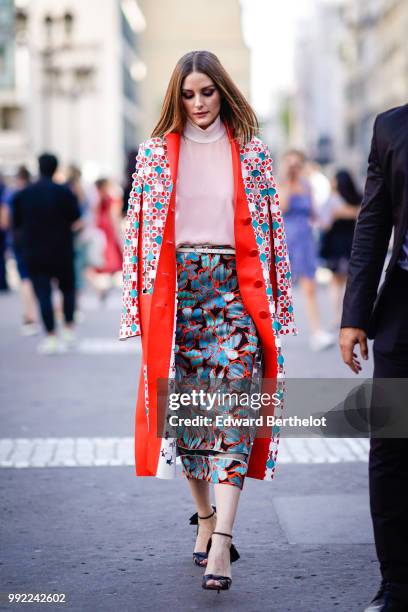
75, 519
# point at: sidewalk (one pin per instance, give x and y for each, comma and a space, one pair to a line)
88, 528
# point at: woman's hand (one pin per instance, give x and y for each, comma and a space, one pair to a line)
346, 211
4, 217
116, 217
78, 225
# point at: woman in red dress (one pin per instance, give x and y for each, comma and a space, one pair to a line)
107, 215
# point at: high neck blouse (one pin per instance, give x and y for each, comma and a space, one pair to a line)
205, 186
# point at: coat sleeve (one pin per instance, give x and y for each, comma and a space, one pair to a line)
281, 275
130, 322
371, 238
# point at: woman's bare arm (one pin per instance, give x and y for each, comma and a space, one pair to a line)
284, 193
346, 211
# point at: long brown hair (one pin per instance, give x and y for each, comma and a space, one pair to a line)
235, 110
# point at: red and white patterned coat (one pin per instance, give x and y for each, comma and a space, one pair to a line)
149, 302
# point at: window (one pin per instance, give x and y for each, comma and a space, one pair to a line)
2, 58
11, 118
351, 134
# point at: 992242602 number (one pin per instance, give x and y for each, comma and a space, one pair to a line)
33, 598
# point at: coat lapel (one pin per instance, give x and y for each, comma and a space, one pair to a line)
173, 149
162, 313
254, 296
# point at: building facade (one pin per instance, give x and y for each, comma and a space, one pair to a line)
317, 109
14, 141
376, 69
352, 63
76, 63
173, 29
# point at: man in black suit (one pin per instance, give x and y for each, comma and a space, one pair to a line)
43, 216
384, 317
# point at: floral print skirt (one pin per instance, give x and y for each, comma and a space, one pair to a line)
217, 352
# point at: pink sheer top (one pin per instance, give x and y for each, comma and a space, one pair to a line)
205, 186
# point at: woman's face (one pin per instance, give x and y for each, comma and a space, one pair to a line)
293, 165
104, 189
201, 99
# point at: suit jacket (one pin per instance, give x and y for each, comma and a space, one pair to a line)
43, 214
384, 208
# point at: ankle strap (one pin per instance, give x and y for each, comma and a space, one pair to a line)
206, 517
228, 535
194, 518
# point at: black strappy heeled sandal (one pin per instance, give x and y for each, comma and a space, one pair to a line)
225, 581
199, 557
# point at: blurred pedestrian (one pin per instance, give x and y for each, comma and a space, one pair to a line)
340, 211
130, 169
81, 240
298, 213
108, 216
3, 241
43, 215
30, 324
382, 315
319, 182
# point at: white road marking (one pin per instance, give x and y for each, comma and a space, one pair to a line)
106, 346
91, 302
103, 452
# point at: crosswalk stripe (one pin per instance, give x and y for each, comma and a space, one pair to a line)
119, 451
99, 346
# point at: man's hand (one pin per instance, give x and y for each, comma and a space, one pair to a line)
78, 225
349, 337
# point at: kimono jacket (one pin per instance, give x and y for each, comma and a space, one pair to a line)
149, 297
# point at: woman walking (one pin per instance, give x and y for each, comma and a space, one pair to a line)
207, 286
340, 213
107, 216
297, 207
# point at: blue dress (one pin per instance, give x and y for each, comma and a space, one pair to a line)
301, 242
